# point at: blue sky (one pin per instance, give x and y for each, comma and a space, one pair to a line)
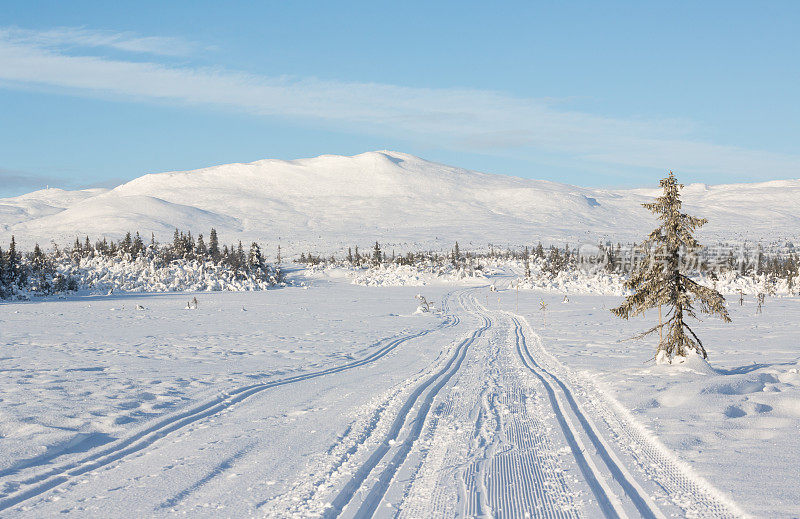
590, 93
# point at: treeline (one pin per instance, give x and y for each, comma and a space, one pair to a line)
555, 258
752, 261
376, 257
184, 247
43, 273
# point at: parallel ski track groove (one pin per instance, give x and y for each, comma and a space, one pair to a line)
593, 479
378, 490
142, 439
687, 491
516, 477
520, 468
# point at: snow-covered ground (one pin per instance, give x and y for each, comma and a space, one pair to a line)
338, 399
734, 421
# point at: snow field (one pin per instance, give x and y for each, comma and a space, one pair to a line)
336, 401
330, 476
285, 341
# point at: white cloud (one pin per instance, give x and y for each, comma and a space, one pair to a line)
456, 118
11, 180
62, 37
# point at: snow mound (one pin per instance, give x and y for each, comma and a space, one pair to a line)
692, 362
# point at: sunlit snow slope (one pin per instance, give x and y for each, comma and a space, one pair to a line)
331, 201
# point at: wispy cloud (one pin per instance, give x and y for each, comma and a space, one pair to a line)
77, 37
14, 180
109, 183
457, 118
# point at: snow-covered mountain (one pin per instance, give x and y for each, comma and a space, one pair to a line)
332, 201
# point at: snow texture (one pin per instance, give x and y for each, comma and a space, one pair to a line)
337, 399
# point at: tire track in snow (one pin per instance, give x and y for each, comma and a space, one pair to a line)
422, 405
41, 483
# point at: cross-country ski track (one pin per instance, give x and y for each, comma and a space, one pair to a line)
493, 426
59, 475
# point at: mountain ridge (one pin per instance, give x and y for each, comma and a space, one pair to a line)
329, 201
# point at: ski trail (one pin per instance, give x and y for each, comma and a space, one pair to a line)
414, 411
690, 493
608, 501
488, 450
491, 441
41, 483
516, 474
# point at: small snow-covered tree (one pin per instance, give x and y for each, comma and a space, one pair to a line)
200, 250
376, 254
41, 270
5, 284
138, 246
77, 250
255, 259
659, 278
127, 242
213, 245
527, 263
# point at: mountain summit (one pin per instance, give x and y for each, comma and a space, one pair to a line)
330, 201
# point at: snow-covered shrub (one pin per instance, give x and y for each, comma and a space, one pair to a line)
130, 266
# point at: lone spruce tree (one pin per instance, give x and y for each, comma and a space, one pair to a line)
660, 278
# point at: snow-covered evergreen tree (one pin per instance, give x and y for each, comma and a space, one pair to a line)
200, 250
660, 279
213, 245
127, 244
14, 268
376, 254
77, 249
41, 271
5, 288
255, 259
137, 247
527, 264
